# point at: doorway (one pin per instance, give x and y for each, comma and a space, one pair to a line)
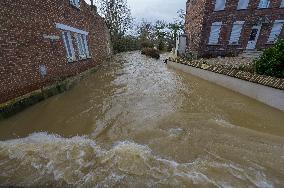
253, 37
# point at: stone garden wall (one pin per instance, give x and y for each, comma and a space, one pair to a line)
277, 83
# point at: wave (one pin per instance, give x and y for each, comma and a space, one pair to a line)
43, 159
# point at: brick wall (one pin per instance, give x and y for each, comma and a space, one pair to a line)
194, 21
24, 49
228, 16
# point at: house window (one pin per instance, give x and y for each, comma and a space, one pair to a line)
82, 45
220, 5
67, 39
243, 4
80, 37
282, 4
275, 31
215, 33
264, 4
236, 32
75, 3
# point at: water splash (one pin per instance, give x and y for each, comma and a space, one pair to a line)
43, 159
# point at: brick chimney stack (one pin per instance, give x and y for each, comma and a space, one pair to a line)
93, 7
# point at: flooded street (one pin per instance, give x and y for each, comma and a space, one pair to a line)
138, 123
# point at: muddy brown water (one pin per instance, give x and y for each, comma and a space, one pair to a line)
138, 123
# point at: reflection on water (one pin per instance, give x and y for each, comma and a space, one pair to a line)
138, 123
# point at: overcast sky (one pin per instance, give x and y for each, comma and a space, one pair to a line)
153, 10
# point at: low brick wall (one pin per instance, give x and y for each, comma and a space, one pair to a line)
269, 81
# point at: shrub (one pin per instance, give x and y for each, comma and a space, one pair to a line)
190, 55
147, 44
247, 68
125, 43
271, 63
151, 52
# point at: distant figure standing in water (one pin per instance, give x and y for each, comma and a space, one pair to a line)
166, 61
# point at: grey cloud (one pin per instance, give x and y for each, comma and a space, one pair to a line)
153, 10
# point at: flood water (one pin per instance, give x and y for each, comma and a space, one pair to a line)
139, 123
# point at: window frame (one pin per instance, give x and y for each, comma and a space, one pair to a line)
261, 3
75, 3
239, 5
214, 24
275, 37
80, 37
223, 7
236, 23
68, 43
282, 4
82, 46
85, 41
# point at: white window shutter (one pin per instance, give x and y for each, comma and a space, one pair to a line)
243, 4
79, 45
220, 5
70, 53
275, 31
86, 46
236, 32
71, 46
66, 44
215, 33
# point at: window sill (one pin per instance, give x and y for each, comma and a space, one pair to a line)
270, 43
71, 61
82, 58
219, 10
263, 8
242, 9
75, 7
214, 44
234, 44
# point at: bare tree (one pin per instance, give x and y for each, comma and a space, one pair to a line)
117, 15
145, 30
177, 27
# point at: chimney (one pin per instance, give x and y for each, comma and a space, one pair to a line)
93, 7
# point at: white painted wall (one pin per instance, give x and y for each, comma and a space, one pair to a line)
181, 45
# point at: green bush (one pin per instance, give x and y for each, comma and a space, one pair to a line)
151, 52
125, 43
271, 63
147, 44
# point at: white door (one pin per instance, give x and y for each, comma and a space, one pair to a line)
253, 37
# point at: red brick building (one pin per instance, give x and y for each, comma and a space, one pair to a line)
229, 27
42, 42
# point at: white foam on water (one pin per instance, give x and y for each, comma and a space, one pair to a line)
44, 159
224, 123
